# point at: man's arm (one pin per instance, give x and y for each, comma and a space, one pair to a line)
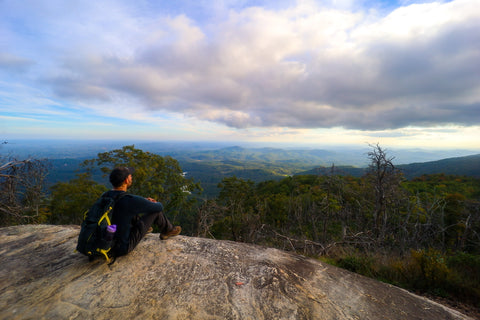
145, 205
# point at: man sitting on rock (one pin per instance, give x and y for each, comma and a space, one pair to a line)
135, 215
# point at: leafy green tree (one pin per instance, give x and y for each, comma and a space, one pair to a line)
240, 219
70, 200
155, 176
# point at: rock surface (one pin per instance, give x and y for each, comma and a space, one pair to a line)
42, 277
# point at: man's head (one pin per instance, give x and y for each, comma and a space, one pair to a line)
119, 175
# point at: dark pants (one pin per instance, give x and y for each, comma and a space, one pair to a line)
140, 228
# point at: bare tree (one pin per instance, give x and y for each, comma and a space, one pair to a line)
22, 191
385, 180
207, 215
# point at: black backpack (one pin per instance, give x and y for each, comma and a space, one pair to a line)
93, 240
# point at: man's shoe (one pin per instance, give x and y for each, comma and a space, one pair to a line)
174, 232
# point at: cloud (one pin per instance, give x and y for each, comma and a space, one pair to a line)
303, 66
12, 63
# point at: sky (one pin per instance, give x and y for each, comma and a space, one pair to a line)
400, 73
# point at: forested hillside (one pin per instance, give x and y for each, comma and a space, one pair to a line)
461, 166
209, 167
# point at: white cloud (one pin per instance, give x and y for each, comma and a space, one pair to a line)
303, 66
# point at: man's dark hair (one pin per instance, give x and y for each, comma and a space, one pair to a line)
119, 174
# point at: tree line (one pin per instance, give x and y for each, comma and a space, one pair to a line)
423, 233
378, 212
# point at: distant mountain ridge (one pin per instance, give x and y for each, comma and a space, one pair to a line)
209, 163
461, 166
266, 155
319, 156
209, 167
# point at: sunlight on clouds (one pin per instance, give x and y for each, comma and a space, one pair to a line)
435, 137
236, 119
183, 29
410, 22
288, 72
418, 21
259, 61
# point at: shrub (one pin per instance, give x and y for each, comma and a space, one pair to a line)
358, 263
434, 272
464, 281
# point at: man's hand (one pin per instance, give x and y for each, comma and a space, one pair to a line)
151, 199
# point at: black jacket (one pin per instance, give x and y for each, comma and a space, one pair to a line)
124, 212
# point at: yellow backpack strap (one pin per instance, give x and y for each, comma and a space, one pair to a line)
105, 253
105, 216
